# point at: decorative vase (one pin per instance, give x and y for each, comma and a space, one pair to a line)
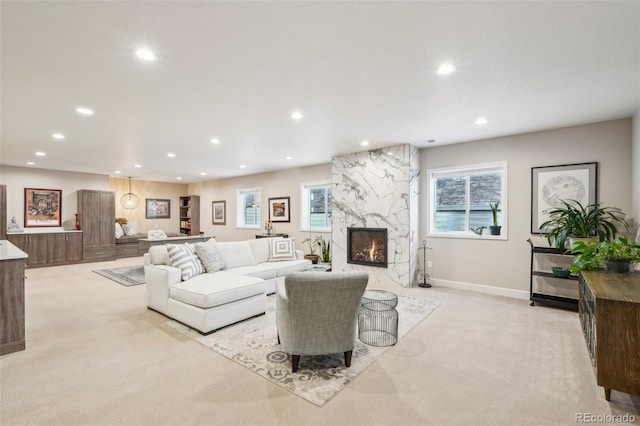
77, 226
622, 266
494, 229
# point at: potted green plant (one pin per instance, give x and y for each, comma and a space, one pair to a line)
495, 228
573, 220
325, 250
614, 255
312, 256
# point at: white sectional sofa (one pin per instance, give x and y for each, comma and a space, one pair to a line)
209, 301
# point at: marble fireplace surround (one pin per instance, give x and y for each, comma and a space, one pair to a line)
378, 189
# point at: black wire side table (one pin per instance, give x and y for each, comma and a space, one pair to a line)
378, 318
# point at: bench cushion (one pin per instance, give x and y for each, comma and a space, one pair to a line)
209, 290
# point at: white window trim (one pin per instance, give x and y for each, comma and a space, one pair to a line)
467, 170
240, 208
304, 205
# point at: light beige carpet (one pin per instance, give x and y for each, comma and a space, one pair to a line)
254, 345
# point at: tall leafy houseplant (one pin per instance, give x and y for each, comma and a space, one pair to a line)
577, 221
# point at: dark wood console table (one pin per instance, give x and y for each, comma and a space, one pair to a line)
610, 318
272, 235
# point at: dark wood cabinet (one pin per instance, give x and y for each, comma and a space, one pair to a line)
3, 212
49, 249
12, 323
610, 320
190, 215
73, 247
96, 213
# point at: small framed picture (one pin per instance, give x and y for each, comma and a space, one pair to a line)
279, 209
219, 212
42, 207
158, 209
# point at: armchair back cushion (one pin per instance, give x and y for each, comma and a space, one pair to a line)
316, 312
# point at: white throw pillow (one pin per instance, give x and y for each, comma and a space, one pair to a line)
210, 256
156, 234
281, 249
119, 231
131, 228
184, 258
158, 255
236, 253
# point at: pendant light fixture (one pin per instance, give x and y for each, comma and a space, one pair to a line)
129, 200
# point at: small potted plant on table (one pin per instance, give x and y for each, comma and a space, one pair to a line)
312, 256
616, 256
325, 250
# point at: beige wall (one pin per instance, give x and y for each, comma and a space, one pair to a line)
284, 183
636, 168
19, 178
147, 189
505, 264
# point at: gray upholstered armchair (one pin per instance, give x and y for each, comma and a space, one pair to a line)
316, 313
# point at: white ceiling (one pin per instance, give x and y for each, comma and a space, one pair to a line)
356, 70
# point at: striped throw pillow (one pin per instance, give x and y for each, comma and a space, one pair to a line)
183, 257
281, 249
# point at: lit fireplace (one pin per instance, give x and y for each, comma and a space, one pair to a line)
367, 246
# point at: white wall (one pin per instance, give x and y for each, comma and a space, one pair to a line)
148, 189
505, 264
636, 167
19, 178
284, 183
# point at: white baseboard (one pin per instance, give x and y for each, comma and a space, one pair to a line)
480, 288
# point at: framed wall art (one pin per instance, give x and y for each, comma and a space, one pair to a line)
552, 184
279, 209
42, 207
219, 212
157, 209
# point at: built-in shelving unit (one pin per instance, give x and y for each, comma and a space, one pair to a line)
190, 215
544, 297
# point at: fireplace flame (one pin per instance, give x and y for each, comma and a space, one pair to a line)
373, 250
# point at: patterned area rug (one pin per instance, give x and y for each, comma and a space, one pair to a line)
253, 344
127, 276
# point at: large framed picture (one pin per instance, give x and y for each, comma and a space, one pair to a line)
219, 212
42, 207
157, 209
279, 209
552, 184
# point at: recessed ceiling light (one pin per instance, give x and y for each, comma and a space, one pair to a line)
179, 178
364, 143
58, 136
145, 54
30, 163
288, 157
84, 111
445, 69
40, 154
242, 166
203, 174
117, 172
481, 121
171, 155
137, 166
215, 141
296, 115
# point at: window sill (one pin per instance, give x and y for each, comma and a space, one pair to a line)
470, 236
